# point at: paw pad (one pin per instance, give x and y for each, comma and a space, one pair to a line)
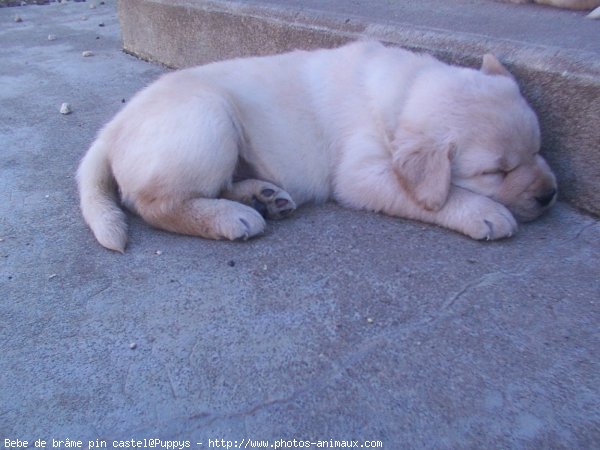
281, 202
273, 203
267, 192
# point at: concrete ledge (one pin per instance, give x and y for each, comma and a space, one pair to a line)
555, 54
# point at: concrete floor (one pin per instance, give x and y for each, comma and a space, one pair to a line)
336, 324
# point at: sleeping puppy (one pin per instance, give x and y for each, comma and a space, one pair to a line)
203, 150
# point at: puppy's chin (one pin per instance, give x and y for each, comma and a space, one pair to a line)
530, 210
527, 215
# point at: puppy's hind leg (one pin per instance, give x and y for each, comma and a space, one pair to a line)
268, 199
205, 217
186, 166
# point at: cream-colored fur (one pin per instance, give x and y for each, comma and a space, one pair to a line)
371, 127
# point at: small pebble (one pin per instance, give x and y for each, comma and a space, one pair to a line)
65, 108
52, 276
133, 346
122, 100
231, 263
51, 37
101, 24
87, 53
18, 18
158, 252
471, 261
92, 6
369, 320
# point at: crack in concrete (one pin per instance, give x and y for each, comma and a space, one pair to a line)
316, 383
95, 294
583, 228
484, 280
126, 380
448, 304
339, 367
171, 384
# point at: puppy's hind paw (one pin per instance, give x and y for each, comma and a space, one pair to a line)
246, 223
273, 202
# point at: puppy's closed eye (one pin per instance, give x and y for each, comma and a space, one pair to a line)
496, 172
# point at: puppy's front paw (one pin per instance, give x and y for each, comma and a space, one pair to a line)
273, 202
489, 220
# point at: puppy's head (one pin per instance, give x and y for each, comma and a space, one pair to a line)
473, 129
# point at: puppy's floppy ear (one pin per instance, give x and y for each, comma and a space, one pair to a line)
423, 167
491, 66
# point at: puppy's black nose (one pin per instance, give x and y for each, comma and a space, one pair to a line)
545, 199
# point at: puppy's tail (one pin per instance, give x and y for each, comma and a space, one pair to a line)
98, 196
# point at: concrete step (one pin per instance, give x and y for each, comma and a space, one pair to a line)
555, 54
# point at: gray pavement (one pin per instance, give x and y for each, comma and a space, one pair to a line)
335, 324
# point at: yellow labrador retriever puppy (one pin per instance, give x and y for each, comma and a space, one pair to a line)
203, 150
